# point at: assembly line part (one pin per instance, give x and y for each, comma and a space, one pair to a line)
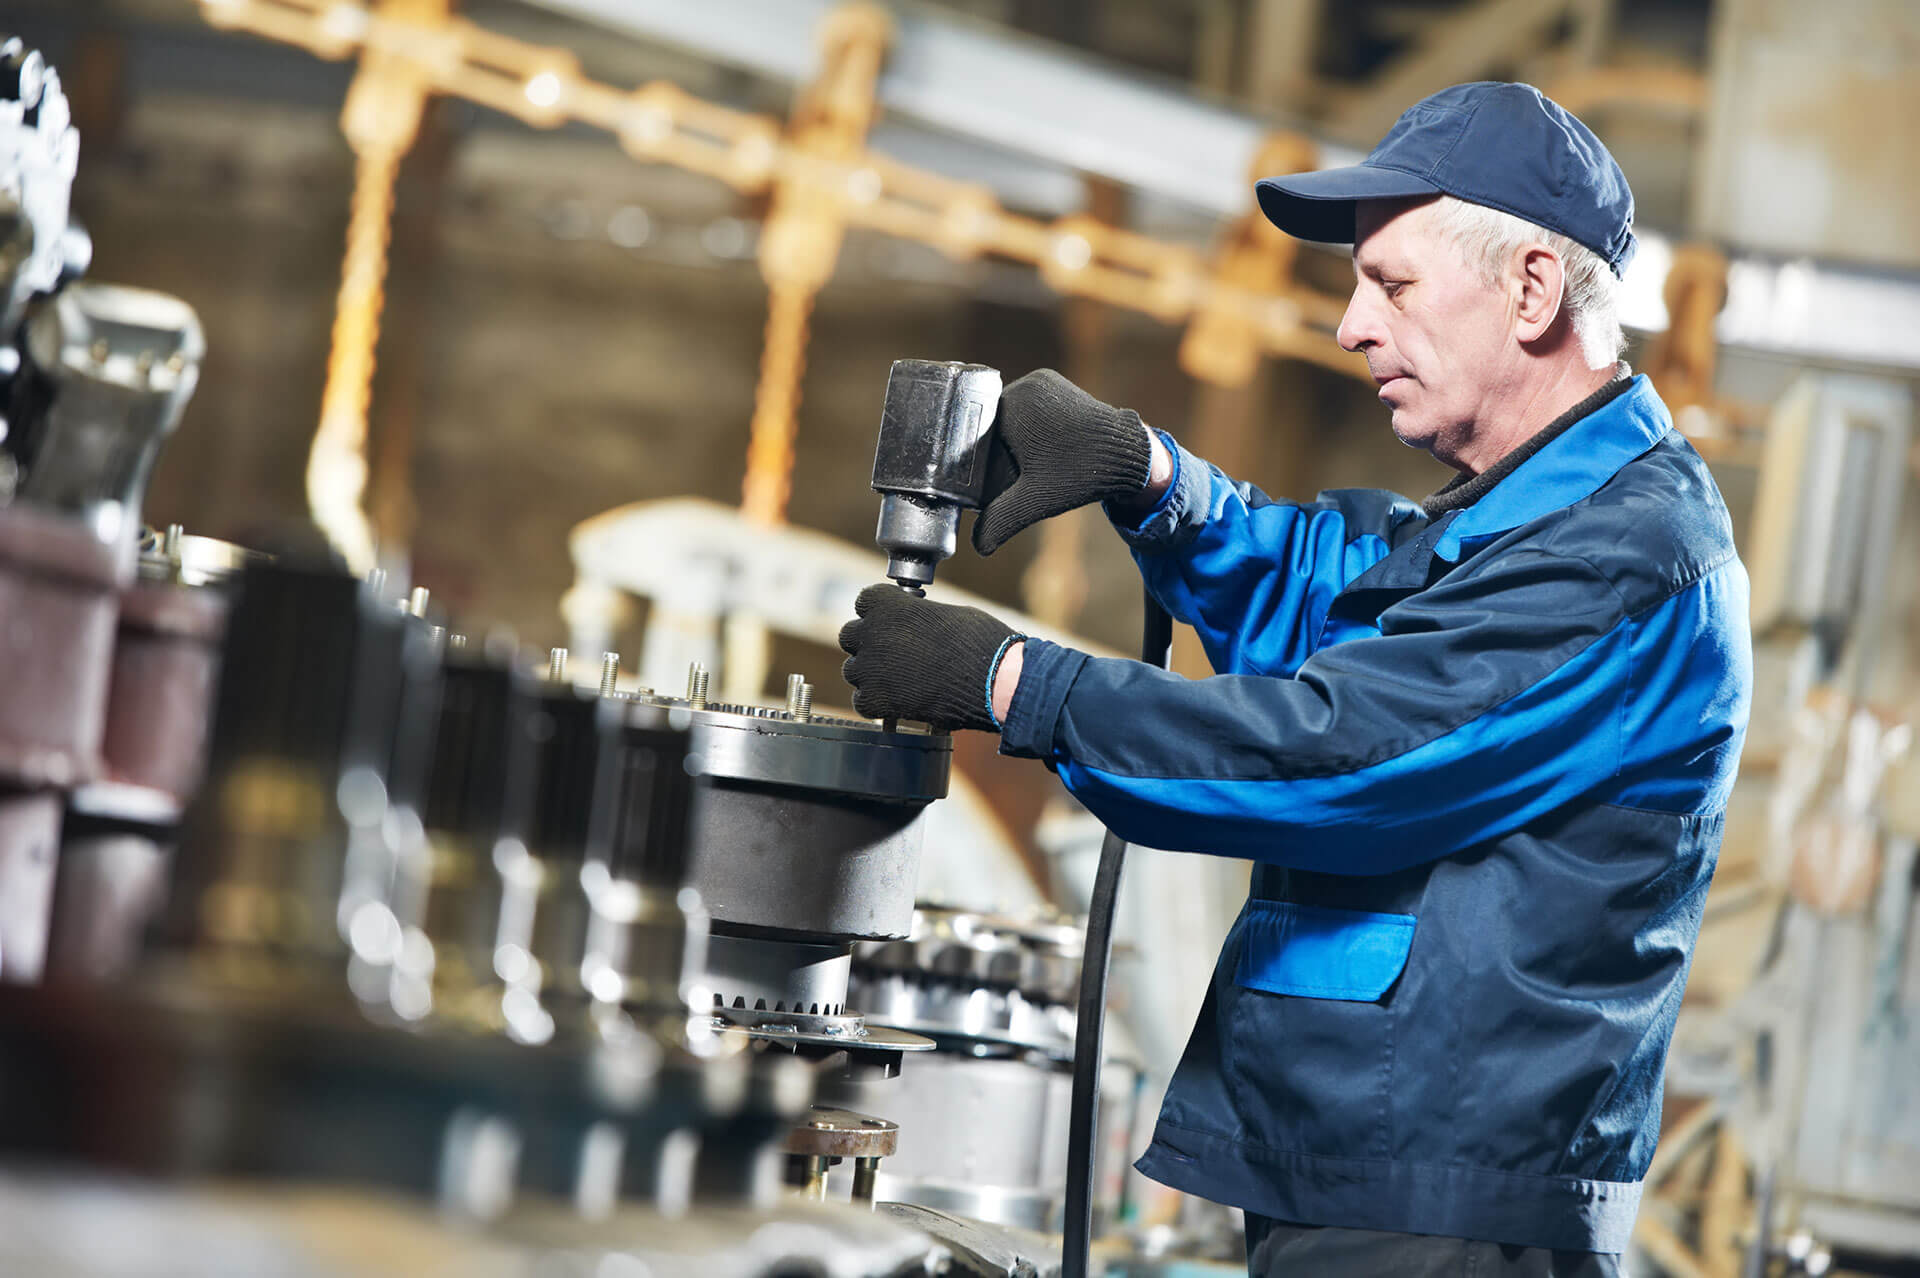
841, 1133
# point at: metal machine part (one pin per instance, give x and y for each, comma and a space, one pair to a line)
984, 1120
830, 1136
174, 555
281, 846
985, 978
470, 894
804, 836
57, 595
165, 659
39, 156
29, 844
121, 364
57, 590
546, 908
119, 830
646, 938
931, 461
810, 828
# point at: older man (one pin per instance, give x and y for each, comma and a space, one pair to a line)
1479, 747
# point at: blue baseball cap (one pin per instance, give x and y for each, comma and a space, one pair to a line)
1507, 146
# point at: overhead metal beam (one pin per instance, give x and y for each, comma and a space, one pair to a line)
1027, 96
1036, 100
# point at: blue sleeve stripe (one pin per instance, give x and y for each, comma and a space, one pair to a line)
1692, 685
1550, 743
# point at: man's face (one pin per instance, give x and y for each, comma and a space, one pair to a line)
1437, 337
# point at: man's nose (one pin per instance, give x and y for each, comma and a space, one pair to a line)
1358, 329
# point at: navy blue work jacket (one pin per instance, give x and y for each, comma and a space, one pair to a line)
1481, 762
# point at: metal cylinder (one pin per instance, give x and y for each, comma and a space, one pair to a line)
647, 931
777, 976
984, 1119
481, 887
572, 730
298, 759
110, 884
29, 844
810, 829
58, 588
165, 660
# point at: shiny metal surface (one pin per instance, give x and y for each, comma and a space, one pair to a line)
918, 533
192, 561
976, 1014
123, 363
804, 864
827, 1132
807, 828
1039, 957
978, 977
835, 756
777, 976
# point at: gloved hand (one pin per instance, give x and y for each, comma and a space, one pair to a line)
1056, 448
928, 662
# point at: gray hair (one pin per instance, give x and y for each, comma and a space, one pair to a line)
1488, 239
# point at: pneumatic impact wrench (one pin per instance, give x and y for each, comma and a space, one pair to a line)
932, 462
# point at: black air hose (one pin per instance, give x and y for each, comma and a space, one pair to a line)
1156, 636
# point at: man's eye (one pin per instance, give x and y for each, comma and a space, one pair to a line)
1392, 287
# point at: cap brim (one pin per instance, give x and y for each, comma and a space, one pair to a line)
1319, 206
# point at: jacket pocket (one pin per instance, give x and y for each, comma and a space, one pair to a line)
1315, 952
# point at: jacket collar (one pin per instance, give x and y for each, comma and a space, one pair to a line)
1570, 468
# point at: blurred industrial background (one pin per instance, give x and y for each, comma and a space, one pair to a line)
579, 314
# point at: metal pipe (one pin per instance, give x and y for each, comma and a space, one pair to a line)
1005, 109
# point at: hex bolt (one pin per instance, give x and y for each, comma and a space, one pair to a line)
170, 546
376, 582
865, 1172
557, 664
794, 686
417, 601
697, 686
805, 713
609, 673
456, 641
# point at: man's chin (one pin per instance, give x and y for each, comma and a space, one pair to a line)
1410, 432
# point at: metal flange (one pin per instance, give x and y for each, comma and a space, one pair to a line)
841, 1133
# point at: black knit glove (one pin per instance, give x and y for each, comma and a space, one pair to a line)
928, 662
1056, 448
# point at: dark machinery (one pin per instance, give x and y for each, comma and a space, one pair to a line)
93, 378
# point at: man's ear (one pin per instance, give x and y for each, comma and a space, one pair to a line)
1542, 283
